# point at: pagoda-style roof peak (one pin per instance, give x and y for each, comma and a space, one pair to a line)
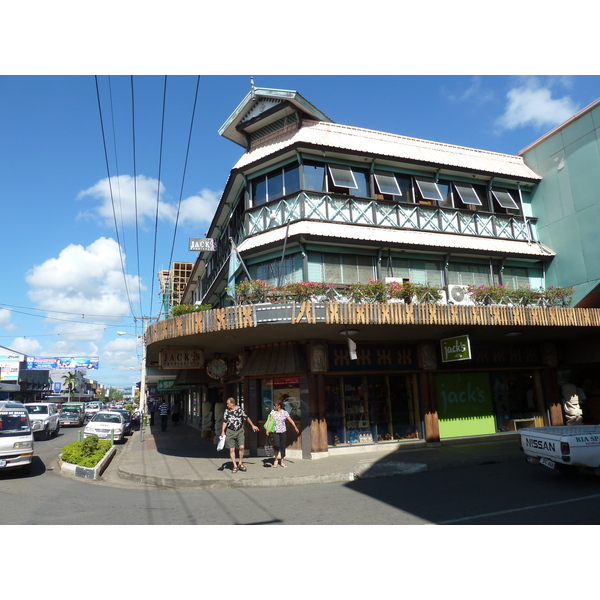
265, 108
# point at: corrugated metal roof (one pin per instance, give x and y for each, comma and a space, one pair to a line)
369, 142
410, 237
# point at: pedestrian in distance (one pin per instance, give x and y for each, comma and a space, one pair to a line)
175, 413
233, 428
163, 410
153, 408
281, 417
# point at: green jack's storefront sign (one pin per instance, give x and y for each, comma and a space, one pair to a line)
456, 348
464, 403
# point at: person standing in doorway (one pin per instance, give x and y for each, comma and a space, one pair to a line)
281, 417
163, 410
233, 428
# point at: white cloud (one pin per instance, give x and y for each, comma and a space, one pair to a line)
84, 281
5, 323
130, 200
27, 346
531, 104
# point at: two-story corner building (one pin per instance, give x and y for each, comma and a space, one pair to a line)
314, 201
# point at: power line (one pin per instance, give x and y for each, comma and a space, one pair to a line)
184, 169
111, 195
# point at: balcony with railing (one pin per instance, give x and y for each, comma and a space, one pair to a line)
353, 210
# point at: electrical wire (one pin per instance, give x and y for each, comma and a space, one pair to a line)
111, 194
162, 131
137, 232
184, 169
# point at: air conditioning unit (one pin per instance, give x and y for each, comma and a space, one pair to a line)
458, 294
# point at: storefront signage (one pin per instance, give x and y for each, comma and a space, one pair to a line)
202, 244
40, 363
464, 404
456, 348
181, 358
165, 385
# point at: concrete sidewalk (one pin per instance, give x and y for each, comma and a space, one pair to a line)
181, 458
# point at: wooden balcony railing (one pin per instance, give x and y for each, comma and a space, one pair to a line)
368, 313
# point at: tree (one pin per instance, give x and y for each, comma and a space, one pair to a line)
70, 382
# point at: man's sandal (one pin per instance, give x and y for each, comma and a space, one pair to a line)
235, 470
242, 468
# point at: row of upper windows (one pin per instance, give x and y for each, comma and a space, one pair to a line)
342, 268
342, 179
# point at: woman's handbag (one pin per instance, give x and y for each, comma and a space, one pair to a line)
270, 424
221, 443
268, 446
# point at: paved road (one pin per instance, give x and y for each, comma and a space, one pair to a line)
495, 494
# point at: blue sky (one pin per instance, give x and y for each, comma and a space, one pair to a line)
63, 290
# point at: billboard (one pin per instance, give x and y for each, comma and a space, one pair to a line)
42, 363
9, 366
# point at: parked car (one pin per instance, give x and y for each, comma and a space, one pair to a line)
16, 437
128, 419
45, 419
103, 422
72, 414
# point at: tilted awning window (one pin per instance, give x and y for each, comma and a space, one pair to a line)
342, 176
467, 193
504, 199
387, 183
429, 189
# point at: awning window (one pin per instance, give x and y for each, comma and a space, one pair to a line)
342, 176
387, 184
467, 193
505, 199
429, 189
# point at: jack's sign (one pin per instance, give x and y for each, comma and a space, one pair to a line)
456, 348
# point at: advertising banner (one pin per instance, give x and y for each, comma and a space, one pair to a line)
9, 366
464, 403
42, 363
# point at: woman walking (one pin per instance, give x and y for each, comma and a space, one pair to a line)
279, 435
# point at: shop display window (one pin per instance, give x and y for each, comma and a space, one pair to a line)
286, 389
368, 409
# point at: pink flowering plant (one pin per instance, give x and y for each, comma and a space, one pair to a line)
305, 291
255, 290
489, 294
558, 296
185, 309
524, 295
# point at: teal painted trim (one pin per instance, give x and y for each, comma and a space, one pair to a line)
273, 256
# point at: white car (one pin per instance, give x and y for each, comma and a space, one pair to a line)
16, 437
45, 419
105, 422
91, 408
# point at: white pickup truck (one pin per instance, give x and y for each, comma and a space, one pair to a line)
565, 448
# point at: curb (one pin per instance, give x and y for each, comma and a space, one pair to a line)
87, 472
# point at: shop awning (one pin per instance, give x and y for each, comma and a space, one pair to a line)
192, 377
275, 359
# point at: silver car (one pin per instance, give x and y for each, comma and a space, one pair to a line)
44, 418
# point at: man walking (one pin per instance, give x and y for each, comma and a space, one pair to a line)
233, 423
163, 410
